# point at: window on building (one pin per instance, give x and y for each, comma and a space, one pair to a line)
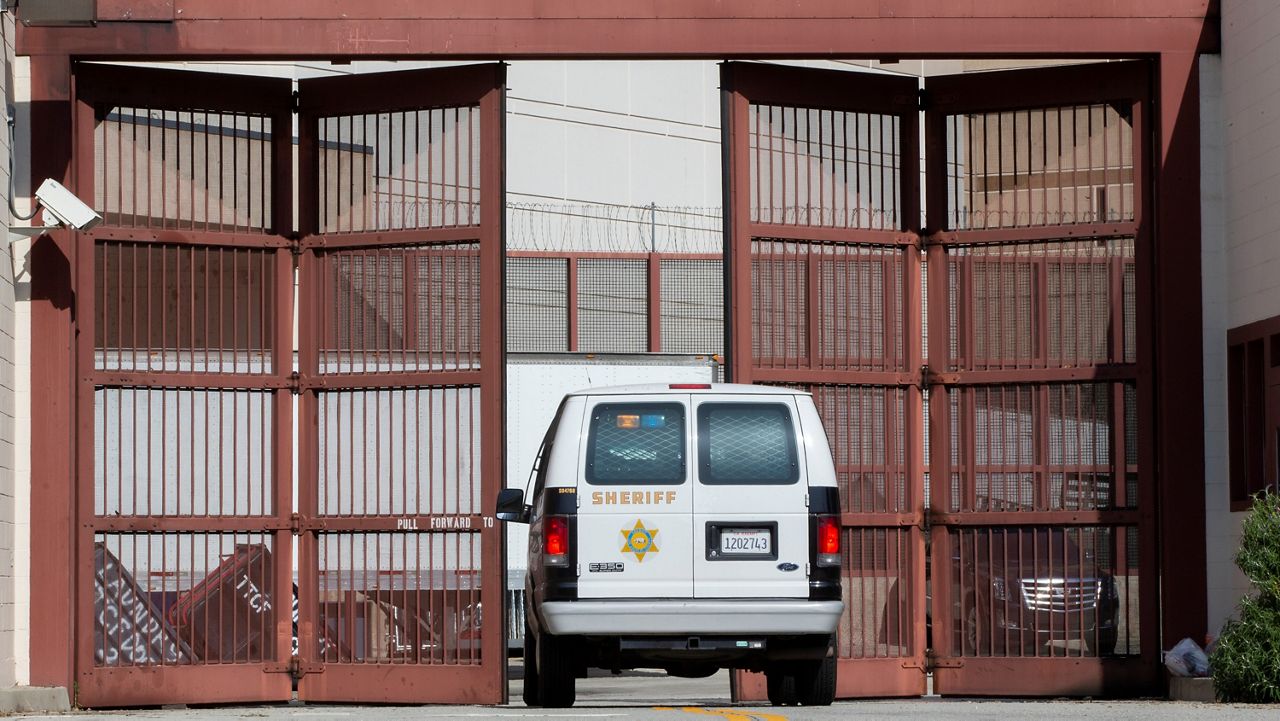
1253, 407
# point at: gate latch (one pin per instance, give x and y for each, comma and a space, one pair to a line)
297, 668
926, 377
933, 661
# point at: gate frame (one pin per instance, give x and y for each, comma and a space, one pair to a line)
1173, 33
1126, 82
202, 683
744, 84
483, 85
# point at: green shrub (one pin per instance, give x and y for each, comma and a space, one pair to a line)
1246, 661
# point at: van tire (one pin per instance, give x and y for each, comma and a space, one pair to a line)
556, 671
781, 686
815, 682
530, 690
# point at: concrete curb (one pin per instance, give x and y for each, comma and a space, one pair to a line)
1191, 689
23, 699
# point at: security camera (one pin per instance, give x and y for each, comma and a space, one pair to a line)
65, 207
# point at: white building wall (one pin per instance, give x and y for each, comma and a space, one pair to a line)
1225, 583
1241, 209
13, 598
1251, 115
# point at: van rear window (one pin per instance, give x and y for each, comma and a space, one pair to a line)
746, 444
636, 444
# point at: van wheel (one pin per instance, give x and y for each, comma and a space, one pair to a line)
556, 679
815, 682
781, 686
530, 691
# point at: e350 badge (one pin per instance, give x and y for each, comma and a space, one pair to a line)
639, 541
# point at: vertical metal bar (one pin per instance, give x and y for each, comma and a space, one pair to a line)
655, 302
813, 308
492, 208
737, 245
571, 302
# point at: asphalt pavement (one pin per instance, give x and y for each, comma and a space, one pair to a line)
652, 696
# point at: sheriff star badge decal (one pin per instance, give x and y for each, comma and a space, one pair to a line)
639, 540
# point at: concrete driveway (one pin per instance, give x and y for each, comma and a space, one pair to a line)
652, 696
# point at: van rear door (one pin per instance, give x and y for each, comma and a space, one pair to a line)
750, 517
634, 527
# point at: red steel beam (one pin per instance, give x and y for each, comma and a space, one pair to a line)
53, 367
1178, 351
658, 28
640, 9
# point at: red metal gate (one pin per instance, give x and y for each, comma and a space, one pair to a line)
186, 483
1042, 506
184, 312
401, 434
822, 189
1029, 491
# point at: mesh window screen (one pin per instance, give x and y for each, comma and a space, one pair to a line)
692, 306
537, 299
612, 306
636, 443
746, 443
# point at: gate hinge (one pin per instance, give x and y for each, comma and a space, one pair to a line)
295, 246
295, 524
295, 103
924, 100
295, 383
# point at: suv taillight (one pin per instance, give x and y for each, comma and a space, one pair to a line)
828, 541
555, 546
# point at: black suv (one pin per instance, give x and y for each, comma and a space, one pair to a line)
1017, 589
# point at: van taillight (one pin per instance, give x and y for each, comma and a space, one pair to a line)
555, 547
828, 541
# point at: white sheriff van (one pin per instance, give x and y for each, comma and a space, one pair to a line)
689, 527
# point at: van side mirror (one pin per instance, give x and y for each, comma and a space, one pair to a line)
511, 506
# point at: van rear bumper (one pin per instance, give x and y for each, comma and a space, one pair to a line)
614, 617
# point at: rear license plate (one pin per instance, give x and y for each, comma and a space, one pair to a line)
746, 542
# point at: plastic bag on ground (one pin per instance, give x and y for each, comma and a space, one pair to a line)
1187, 659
